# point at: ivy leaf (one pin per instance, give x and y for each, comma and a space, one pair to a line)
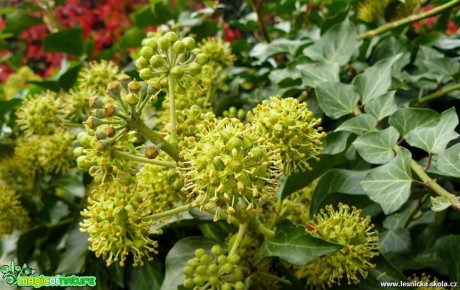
314, 73
280, 75
20, 20
131, 38
336, 99
337, 45
449, 161
448, 248
389, 184
383, 106
76, 246
435, 139
376, 80
407, 119
442, 67
262, 51
146, 277
336, 181
377, 147
67, 41
178, 256
395, 241
359, 125
439, 203
293, 244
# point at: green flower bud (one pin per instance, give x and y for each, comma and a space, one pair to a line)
151, 42
171, 35
189, 43
114, 90
142, 62
132, 98
216, 250
157, 61
201, 58
146, 74
199, 280
177, 71
194, 69
134, 86
79, 151
199, 253
84, 139
147, 52
164, 43
178, 47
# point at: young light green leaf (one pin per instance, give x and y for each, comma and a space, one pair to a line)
295, 245
377, 147
359, 125
439, 203
376, 80
337, 45
336, 99
336, 181
178, 256
395, 241
448, 248
263, 51
407, 119
383, 106
449, 161
389, 184
314, 73
435, 139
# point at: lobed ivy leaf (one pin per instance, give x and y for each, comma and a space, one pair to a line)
439, 203
395, 241
262, 51
361, 124
389, 184
383, 106
336, 181
293, 244
448, 248
178, 256
131, 38
337, 45
67, 41
376, 80
435, 139
20, 20
377, 147
336, 99
147, 277
76, 246
449, 161
407, 119
315, 73
443, 68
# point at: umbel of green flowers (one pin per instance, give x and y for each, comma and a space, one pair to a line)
292, 128
115, 222
12, 215
215, 271
344, 226
231, 167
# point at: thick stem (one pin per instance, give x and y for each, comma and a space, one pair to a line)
172, 110
170, 212
435, 95
264, 230
453, 199
407, 20
145, 160
239, 238
156, 139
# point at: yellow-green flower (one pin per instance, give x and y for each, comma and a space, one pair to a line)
292, 128
231, 168
12, 215
17, 82
218, 52
344, 226
426, 280
96, 75
116, 224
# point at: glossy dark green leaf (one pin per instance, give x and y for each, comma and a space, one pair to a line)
389, 184
68, 78
293, 244
407, 119
178, 256
76, 250
131, 38
377, 147
361, 124
383, 106
449, 161
336, 99
20, 20
395, 241
448, 248
337, 45
314, 73
144, 17
336, 181
27, 242
67, 41
147, 277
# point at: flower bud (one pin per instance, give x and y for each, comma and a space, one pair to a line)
164, 43
194, 69
132, 98
142, 62
79, 151
151, 152
109, 131
178, 47
113, 89
189, 43
134, 86
151, 42
147, 52
95, 103
202, 58
156, 61
177, 71
171, 35
93, 122
146, 74
109, 110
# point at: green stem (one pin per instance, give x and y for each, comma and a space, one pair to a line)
435, 95
156, 139
407, 20
264, 230
453, 199
257, 6
60, 223
172, 110
414, 210
241, 230
145, 160
273, 277
170, 212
